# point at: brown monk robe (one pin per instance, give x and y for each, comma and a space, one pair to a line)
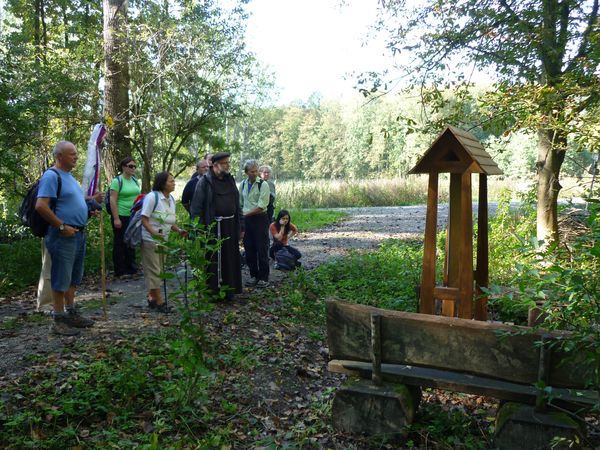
216, 201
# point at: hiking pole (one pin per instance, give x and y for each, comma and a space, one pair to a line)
102, 267
163, 257
185, 283
92, 179
219, 275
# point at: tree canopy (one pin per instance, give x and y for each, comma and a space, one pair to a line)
187, 66
545, 54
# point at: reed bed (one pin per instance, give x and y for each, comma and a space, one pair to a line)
350, 193
396, 191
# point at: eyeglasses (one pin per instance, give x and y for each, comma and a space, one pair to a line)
131, 166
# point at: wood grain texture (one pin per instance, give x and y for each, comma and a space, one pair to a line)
445, 343
460, 382
426, 305
465, 276
482, 271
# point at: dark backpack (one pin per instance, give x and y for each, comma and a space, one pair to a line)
27, 213
285, 260
107, 197
133, 233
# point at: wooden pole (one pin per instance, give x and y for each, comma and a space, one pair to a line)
102, 256
429, 246
455, 233
465, 276
376, 348
482, 272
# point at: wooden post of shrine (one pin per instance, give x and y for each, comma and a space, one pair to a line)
460, 154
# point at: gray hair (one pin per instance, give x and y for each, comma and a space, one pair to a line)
59, 147
265, 168
249, 163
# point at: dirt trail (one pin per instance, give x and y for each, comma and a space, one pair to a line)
23, 333
290, 373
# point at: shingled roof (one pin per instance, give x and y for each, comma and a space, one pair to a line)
456, 151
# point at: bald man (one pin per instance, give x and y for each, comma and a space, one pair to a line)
67, 215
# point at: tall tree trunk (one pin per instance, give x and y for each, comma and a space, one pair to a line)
551, 154
148, 156
116, 90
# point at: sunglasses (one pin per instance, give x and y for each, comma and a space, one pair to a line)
131, 166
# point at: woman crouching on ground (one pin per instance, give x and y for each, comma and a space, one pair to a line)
158, 219
282, 229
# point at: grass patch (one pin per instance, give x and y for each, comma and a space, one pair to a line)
385, 278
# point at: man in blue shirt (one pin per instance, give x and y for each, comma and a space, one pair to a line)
67, 214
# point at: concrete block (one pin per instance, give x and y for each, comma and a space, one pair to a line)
520, 427
365, 408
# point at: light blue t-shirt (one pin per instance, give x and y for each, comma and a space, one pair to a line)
70, 206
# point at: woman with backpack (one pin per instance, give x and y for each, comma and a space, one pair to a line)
123, 190
282, 229
158, 220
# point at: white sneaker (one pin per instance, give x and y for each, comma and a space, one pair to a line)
262, 284
251, 282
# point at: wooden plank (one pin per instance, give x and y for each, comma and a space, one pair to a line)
465, 277
481, 273
459, 132
454, 238
476, 151
487, 349
492, 170
445, 293
426, 305
459, 382
449, 166
376, 348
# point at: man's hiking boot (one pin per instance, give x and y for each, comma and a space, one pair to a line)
61, 327
262, 284
251, 282
76, 320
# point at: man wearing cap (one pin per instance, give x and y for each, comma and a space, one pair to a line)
216, 202
255, 200
190, 187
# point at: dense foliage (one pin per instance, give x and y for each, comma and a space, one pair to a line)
545, 58
383, 138
188, 71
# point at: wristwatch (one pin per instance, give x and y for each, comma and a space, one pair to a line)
61, 227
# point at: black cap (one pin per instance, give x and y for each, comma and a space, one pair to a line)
219, 156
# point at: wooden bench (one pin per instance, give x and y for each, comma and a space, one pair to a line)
483, 358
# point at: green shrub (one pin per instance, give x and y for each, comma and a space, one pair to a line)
385, 278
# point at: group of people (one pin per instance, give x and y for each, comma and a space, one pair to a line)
233, 213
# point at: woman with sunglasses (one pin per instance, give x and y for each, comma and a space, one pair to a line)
124, 188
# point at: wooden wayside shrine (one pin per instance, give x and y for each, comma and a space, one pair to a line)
460, 154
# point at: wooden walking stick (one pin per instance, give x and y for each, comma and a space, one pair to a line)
103, 268
91, 183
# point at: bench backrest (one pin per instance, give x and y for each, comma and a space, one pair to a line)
500, 351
